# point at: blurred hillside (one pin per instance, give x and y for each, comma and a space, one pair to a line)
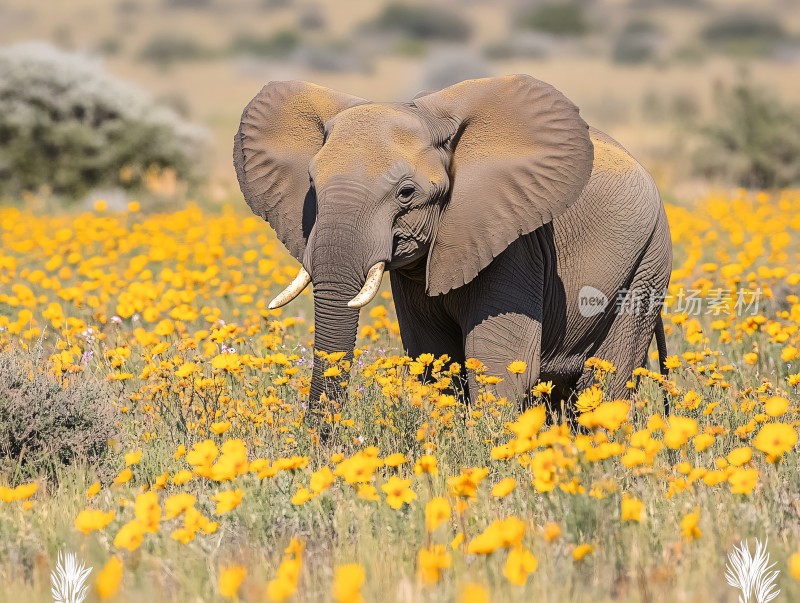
645, 71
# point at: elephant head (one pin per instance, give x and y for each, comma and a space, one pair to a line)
353, 188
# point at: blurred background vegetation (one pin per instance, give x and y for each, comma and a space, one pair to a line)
142, 97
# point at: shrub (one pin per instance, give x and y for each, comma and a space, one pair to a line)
192, 4
744, 33
163, 50
128, 7
637, 43
67, 125
685, 4
448, 68
558, 18
755, 141
423, 22
311, 18
278, 45
332, 56
110, 46
520, 44
47, 424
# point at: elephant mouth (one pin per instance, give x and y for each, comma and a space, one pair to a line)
406, 250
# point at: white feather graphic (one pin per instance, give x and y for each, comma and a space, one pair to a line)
753, 575
68, 580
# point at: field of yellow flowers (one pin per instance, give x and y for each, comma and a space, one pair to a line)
219, 488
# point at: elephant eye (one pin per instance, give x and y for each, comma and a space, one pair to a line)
406, 192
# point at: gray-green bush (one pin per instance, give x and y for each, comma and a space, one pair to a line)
429, 23
47, 423
67, 125
755, 141
164, 50
744, 33
556, 18
637, 42
278, 45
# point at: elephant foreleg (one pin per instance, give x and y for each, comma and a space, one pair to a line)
425, 326
499, 340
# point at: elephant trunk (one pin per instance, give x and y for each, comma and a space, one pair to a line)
335, 326
340, 254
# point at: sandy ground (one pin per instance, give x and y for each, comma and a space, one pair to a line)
612, 97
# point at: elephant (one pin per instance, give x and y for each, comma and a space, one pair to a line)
511, 230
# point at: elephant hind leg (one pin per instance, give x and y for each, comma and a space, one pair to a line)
628, 340
625, 346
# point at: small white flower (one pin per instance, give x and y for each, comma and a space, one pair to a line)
116, 320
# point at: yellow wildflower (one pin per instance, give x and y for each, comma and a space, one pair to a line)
147, 511
466, 484
473, 593
743, 481
504, 487
90, 520
301, 497
130, 536
690, 525
395, 460
177, 504
227, 501
499, 534
109, 579
679, 430
347, 582
775, 439
230, 580
519, 565
632, 509
398, 492
776, 406
437, 511
589, 399
580, 551
132, 458
739, 456
124, 477
430, 563
321, 480
551, 531
794, 565
517, 367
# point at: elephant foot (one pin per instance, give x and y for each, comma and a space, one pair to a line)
318, 421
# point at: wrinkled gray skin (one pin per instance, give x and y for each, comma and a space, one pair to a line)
492, 203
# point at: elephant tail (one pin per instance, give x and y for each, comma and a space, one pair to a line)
661, 344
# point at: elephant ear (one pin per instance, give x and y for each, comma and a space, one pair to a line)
521, 156
282, 128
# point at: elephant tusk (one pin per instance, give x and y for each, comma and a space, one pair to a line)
370, 288
294, 289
